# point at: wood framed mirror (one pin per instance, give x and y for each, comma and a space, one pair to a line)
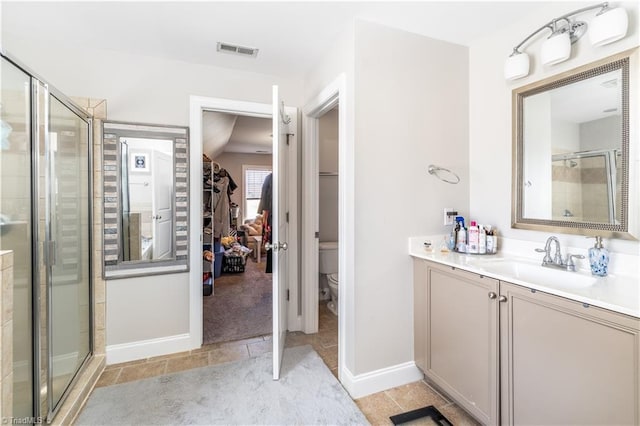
574, 170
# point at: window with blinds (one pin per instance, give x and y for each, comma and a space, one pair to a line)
254, 177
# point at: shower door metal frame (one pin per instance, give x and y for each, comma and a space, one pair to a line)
53, 93
38, 249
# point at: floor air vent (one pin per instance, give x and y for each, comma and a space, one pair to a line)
238, 50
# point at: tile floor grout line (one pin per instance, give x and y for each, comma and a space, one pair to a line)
386, 392
445, 398
115, 380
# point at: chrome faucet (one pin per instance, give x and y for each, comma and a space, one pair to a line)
557, 261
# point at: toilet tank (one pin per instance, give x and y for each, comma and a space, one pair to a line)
328, 262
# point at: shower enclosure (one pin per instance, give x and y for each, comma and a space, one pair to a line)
582, 180
45, 219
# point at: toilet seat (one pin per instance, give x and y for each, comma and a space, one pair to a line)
333, 278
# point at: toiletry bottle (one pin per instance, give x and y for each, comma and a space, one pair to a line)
489, 240
494, 239
482, 242
451, 242
461, 241
599, 258
473, 237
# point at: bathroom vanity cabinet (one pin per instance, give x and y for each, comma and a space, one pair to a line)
512, 355
456, 335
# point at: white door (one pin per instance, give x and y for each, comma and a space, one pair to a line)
279, 234
161, 204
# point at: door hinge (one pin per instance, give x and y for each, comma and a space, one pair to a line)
287, 295
287, 216
317, 235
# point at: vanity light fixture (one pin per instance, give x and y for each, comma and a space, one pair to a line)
609, 25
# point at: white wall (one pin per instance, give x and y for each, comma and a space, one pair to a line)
411, 111
328, 185
490, 114
537, 151
407, 110
596, 134
233, 162
335, 62
147, 90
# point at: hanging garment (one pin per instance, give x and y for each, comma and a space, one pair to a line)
266, 237
221, 222
266, 195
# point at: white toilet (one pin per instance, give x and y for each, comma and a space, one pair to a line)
328, 266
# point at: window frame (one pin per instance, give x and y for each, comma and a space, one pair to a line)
245, 168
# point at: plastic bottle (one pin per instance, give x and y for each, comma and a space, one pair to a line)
473, 237
451, 241
492, 240
599, 258
461, 239
482, 243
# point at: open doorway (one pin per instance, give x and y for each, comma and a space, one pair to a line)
286, 307
237, 281
328, 229
325, 117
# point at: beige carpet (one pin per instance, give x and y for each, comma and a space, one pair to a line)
240, 307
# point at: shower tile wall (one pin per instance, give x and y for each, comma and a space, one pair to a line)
6, 334
580, 190
97, 107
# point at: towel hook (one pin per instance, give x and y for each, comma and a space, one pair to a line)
437, 171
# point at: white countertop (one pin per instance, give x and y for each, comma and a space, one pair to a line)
616, 292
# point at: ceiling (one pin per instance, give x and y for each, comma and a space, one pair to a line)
291, 36
224, 132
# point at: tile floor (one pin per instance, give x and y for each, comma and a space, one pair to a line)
377, 407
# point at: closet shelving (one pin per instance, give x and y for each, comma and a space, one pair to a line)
207, 227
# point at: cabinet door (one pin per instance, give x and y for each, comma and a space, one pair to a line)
566, 363
462, 339
420, 313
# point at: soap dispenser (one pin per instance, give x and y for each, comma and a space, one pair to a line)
599, 258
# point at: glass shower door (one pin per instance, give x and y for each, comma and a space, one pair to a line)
67, 246
16, 222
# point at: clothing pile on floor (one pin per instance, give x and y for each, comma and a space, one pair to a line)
234, 248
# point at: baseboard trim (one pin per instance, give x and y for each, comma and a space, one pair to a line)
142, 349
379, 380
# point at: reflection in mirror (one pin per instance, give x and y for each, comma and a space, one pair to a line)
146, 201
572, 138
147, 198
571, 151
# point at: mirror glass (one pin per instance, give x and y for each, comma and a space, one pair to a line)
147, 199
145, 183
571, 151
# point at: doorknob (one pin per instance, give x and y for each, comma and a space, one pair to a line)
502, 299
276, 246
492, 295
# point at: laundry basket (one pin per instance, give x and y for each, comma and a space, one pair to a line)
233, 264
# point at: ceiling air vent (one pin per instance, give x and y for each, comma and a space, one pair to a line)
238, 50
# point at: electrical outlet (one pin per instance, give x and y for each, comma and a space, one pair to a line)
449, 218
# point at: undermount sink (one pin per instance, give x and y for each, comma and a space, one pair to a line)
528, 271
